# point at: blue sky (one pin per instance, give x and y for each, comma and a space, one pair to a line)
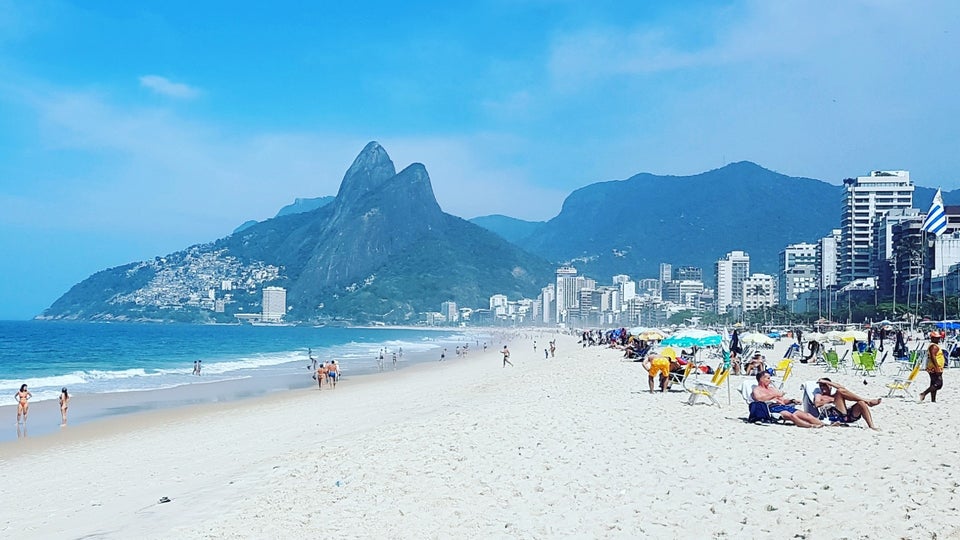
134, 129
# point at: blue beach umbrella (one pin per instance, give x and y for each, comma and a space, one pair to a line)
693, 338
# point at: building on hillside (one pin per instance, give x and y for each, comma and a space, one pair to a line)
798, 271
274, 305
759, 290
866, 199
730, 273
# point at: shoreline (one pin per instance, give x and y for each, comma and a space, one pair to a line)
44, 416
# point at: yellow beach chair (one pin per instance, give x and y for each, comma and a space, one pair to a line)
707, 389
903, 384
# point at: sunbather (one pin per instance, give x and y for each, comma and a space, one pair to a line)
755, 365
838, 395
782, 405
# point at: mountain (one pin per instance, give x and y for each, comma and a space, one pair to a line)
382, 250
631, 226
511, 229
300, 206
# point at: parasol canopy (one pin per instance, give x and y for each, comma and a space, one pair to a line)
693, 337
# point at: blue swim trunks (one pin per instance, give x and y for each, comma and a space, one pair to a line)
783, 408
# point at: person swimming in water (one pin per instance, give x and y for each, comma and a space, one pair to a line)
23, 404
64, 402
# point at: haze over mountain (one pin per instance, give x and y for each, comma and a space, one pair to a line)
382, 250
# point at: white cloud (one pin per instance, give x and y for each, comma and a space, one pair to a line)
166, 87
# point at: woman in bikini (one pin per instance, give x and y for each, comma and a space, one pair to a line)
64, 402
23, 405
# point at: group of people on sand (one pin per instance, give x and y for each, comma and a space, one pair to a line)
23, 397
328, 372
848, 405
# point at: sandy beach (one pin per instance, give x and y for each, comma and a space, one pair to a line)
571, 446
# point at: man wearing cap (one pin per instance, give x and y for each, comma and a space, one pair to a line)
935, 363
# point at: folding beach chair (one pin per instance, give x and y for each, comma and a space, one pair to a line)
707, 389
868, 363
680, 378
903, 384
833, 362
759, 411
828, 413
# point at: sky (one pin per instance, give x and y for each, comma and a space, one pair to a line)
130, 130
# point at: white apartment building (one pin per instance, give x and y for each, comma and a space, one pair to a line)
759, 290
867, 199
566, 291
798, 271
731, 272
498, 305
548, 304
274, 304
828, 259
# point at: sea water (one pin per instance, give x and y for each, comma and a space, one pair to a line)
90, 358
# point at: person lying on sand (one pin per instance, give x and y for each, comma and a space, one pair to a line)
782, 405
838, 395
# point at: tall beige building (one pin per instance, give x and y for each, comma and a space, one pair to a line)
274, 304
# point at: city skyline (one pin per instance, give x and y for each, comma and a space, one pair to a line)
136, 131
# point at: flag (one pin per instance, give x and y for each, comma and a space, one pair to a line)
936, 221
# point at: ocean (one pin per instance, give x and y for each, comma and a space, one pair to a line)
94, 358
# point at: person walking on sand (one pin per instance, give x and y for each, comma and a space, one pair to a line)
394, 359
935, 363
64, 403
443, 355
196, 367
321, 375
506, 356
23, 404
333, 372
553, 349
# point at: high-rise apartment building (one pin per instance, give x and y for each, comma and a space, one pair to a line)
666, 273
689, 273
498, 305
828, 259
798, 271
274, 305
759, 290
730, 272
566, 291
450, 311
868, 198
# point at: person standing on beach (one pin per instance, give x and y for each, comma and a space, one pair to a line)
506, 356
935, 363
553, 349
321, 375
196, 367
64, 402
23, 404
333, 372
443, 355
394, 359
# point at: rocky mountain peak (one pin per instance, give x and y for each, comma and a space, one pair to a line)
371, 169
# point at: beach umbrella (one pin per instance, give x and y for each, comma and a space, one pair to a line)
815, 336
757, 338
853, 335
693, 337
833, 335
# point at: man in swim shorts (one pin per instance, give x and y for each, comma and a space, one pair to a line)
333, 372
779, 403
657, 365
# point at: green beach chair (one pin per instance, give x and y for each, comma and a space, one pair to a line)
832, 361
868, 363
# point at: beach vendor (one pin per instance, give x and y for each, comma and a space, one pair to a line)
935, 363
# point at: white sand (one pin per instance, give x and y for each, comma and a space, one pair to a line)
562, 447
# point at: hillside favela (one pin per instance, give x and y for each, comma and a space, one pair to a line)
666, 270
